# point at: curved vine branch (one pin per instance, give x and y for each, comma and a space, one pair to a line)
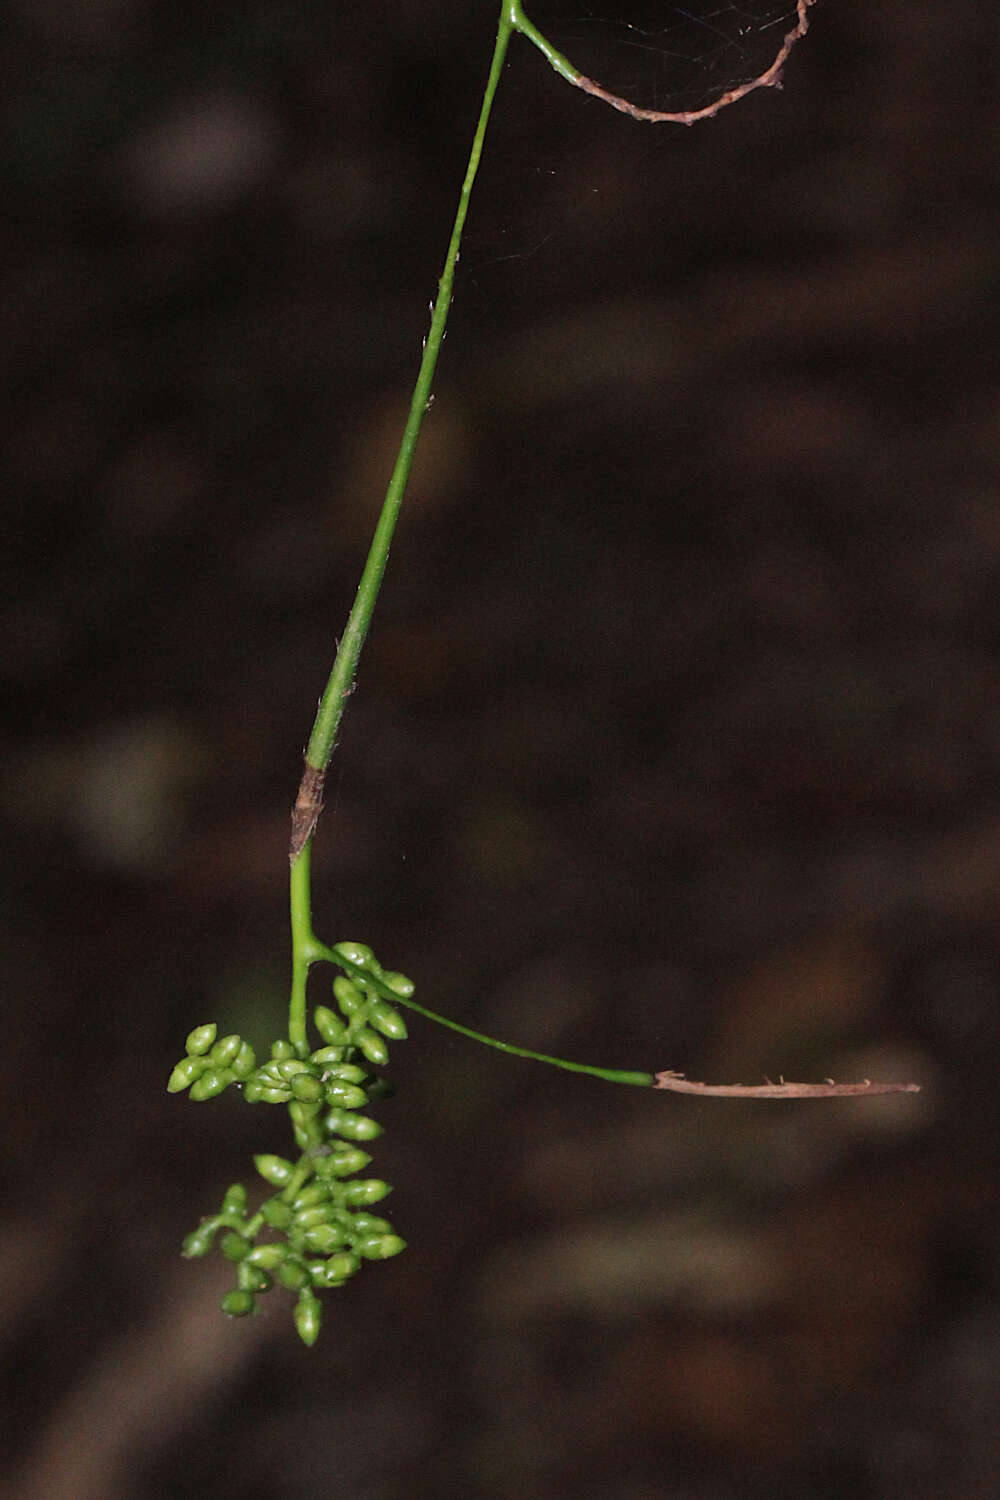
770, 78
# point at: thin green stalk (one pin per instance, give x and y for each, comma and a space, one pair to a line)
391, 993
305, 949
555, 59
331, 706
610, 1075
338, 687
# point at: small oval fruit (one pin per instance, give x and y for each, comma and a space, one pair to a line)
237, 1304
274, 1169
201, 1038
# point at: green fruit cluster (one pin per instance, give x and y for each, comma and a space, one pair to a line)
209, 1066
317, 1227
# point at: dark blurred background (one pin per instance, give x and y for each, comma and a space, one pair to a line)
675, 743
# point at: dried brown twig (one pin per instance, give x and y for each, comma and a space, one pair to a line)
770, 78
678, 1084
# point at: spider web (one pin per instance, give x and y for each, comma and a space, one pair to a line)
657, 55
669, 56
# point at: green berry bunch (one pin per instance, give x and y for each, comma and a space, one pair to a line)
315, 1230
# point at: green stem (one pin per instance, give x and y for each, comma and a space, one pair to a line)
301, 1174
338, 687
610, 1075
555, 59
366, 977
321, 741
305, 949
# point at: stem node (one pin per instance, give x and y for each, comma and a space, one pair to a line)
305, 813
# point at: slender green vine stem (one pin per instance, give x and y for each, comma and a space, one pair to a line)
305, 948
341, 680
338, 687
554, 58
610, 1075
393, 995
309, 802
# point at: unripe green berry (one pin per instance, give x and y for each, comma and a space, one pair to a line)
328, 1055
234, 1246
288, 1068
185, 1073
349, 997
343, 1163
386, 1019
275, 1095
235, 1201
316, 1192
251, 1278
211, 1083
268, 1257
399, 984
340, 1266
369, 1190
372, 1046
347, 1073
197, 1243
225, 1050
346, 1095
201, 1038
274, 1169
317, 1213
351, 1127
245, 1061
330, 1027
237, 1304
282, 1048
381, 1088
363, 1224
268, 1074
308, 1317
309, 1090
324, 1238
277, 1213
293, 1275
379, 1246
359, 954
253, 1092
319, 1276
